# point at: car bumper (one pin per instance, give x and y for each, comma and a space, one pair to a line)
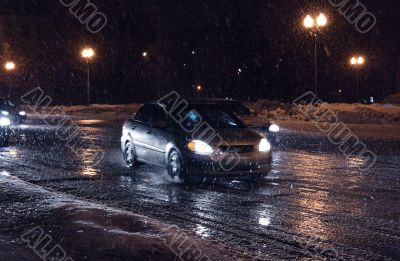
4, 132
273, 137
17, 119
244, 165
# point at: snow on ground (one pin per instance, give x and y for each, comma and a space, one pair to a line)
104, 111
89, 231
393, 99
346, 113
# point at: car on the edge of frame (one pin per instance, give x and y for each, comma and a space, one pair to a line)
256, 122
13, 112
153, 136
5, 131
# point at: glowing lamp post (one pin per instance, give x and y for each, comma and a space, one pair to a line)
10, 67
88, 54
314, 26
357, 63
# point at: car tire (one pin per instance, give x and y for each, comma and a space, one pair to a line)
130, 155
175, 166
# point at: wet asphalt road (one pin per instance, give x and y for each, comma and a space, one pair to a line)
314, 204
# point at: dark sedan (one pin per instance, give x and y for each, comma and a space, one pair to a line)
5, 131
13, 112
196, 140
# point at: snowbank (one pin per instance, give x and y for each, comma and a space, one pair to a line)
347, 113
104, 111
393, 99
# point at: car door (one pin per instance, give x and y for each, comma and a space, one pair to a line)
139, 130
150, 141
159, 135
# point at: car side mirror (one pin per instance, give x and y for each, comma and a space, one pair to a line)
160, 124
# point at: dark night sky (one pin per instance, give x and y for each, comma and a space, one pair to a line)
263, 38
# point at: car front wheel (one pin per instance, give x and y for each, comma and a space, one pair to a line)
175, 165
130, 155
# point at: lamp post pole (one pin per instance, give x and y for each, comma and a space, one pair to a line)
357, 63
88, 83
88, 54
316, 63
10, 67
314, 25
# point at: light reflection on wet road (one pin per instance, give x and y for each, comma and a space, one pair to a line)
314, 197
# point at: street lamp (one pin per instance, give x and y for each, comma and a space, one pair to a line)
356, 63
88, 54
199, 88
10, 67
315, 25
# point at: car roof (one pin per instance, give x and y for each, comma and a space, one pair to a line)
214, 101
219, 102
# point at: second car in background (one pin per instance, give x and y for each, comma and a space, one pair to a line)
11, 111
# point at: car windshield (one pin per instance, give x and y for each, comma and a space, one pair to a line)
214, 115
6, 103
239, 109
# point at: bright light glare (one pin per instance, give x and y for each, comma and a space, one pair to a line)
274, 128
9, 66
4, 122
322, 20
199, 87
357, 61
88, 53
22, 113
5, 173
145, 54
264, 146
5, 113
200, 147
308, 22
264, 221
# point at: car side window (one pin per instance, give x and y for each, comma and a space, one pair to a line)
143, 115
150, 114
158, 115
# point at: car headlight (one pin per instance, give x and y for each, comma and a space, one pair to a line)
274, 128
4, 122
5, 113
264, 146
200, 147
22, 113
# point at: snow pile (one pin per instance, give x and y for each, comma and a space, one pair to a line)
393, 99
347, 113
122, 111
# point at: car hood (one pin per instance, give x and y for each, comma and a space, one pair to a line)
255, 121
11, 110
233, 136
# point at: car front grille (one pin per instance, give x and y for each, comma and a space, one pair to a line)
237, 148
